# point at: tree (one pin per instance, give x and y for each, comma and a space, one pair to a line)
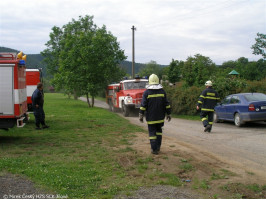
51, 53
260, 45
229, 64
174, 72
87, 56
151, 68
197, 70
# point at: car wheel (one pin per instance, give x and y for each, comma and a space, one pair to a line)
215, 118
237, 120
125, 110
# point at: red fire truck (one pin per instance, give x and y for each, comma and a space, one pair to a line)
13, 92
126, 95
33, 77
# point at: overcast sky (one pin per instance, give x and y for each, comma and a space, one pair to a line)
166, 29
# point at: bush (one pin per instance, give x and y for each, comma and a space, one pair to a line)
226, 86
184, 99
256, 86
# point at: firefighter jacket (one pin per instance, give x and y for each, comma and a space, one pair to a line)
208, 100
37, 98
155, 104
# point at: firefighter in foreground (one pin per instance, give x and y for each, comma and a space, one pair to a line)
37, 105
155, 104
207, 101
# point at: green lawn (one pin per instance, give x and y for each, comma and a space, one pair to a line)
76, 156
88, 153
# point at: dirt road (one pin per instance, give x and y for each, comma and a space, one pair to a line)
244, 148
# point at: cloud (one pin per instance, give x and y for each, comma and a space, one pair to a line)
222, 30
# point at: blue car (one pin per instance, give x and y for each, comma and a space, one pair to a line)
241, 108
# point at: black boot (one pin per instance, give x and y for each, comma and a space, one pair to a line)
207, 128
210, 129
154, 152
45, 126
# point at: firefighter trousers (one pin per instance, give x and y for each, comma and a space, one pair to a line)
206, 118
39, 116
155, 136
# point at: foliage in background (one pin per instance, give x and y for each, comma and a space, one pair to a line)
256, 86
184, 99
151, 68
83, 57
197, 70
174, 71
260, 46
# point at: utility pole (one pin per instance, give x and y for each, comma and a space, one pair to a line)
133, 51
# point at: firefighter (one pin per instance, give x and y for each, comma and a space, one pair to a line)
207, 101
37, 105
155, 104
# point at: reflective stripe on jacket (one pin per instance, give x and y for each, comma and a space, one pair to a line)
155, 103
208, 100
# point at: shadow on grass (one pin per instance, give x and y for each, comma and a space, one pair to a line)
10, 139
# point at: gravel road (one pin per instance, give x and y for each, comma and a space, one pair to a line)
243, 147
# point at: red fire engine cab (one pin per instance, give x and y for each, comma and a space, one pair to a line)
126, 95
33, 77
13, 92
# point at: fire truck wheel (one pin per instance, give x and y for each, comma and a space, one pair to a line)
125, 110
111, 106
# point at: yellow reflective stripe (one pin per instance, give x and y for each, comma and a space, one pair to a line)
153, 138
210, 122
168, 106
155, 95
211, 98
155, 122
211, 94
203, 119
142, 108
159, 133
202, 96
199, 101
205, 109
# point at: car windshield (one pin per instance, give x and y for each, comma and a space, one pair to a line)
255, 97
135, 85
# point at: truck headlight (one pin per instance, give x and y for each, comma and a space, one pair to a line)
129, 100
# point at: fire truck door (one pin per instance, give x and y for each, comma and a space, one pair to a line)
6, 89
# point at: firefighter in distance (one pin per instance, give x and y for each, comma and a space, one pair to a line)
37, 105
155, 105
207, 101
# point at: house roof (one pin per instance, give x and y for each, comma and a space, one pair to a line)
234, 72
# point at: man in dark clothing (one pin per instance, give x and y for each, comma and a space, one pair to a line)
155, 104
37, 105
207, 101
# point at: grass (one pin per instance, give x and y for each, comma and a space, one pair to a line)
88, 153
75, 156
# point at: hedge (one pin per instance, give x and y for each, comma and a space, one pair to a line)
184, 99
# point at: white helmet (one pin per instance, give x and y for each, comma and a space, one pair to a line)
153, 79
208, 83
